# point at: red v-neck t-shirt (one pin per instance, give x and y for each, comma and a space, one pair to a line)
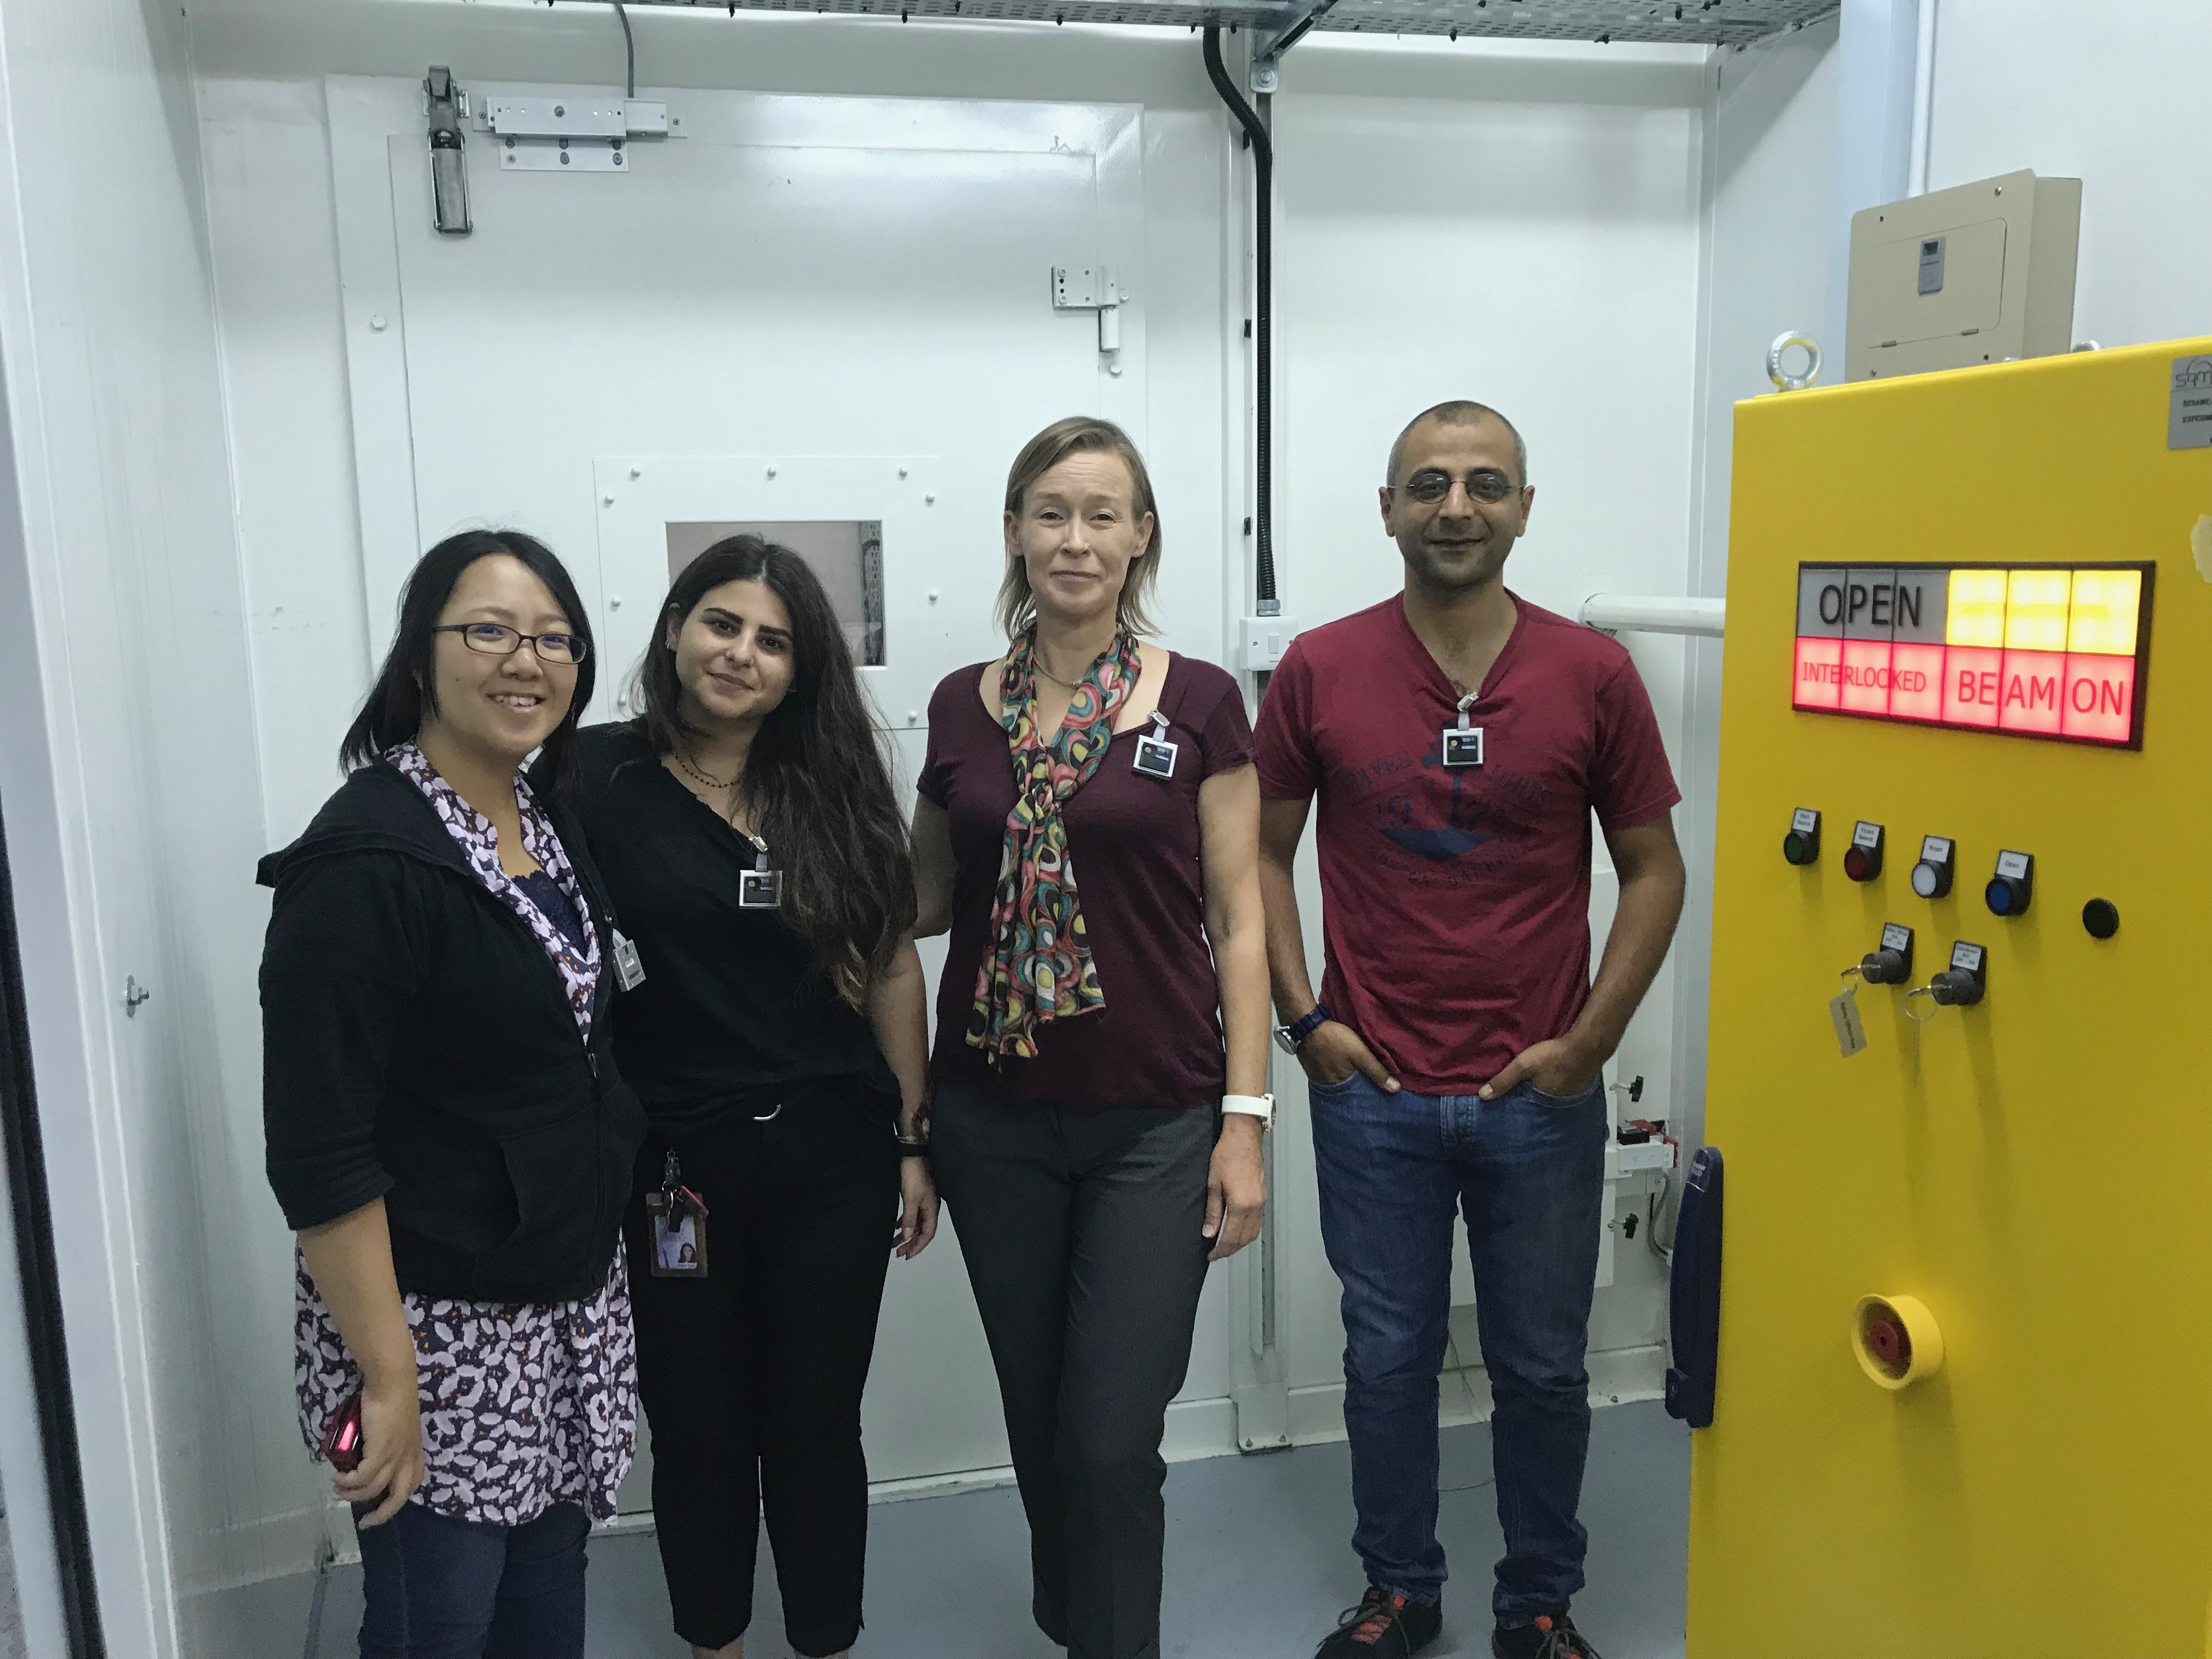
1455, 900
1132, 841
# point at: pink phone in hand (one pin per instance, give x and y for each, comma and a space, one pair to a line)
342, 1439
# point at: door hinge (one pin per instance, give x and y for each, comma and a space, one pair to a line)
1094, 287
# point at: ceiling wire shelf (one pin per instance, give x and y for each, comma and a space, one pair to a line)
1690, 23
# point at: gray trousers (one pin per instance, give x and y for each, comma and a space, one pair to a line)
1081, 1230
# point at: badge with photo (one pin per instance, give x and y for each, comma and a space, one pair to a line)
678, 1232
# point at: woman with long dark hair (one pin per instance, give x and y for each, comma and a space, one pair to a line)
777, 1036
1101, 1047
446, 1129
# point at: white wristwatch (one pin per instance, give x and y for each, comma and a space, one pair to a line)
1259, 1106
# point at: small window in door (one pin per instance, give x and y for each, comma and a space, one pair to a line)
847, 554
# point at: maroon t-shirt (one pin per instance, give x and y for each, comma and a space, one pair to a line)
1455, 900
1133, 841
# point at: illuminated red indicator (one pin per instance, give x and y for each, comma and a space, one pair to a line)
1915, 682
1819, 674
1973, 685
2033, 682
2099, 698
2039, 651
1865, 677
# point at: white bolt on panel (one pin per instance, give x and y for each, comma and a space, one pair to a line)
1262, 642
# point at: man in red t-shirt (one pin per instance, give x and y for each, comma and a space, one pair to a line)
1460, 740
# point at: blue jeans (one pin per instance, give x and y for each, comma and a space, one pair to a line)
438, 1587
1528, 1173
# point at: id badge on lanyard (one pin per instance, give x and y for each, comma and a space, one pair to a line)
1463, 742
630, 972
676, 1225
760, 888
1156, 755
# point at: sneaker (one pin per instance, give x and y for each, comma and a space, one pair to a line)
1382, 1626
1547, 1638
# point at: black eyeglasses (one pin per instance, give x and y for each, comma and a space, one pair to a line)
1432, 484
498, 640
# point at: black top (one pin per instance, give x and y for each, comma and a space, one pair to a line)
418, 1045
731, 1014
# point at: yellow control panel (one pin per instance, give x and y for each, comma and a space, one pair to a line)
1960, 1052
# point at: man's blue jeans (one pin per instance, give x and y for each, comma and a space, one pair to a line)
438, 1587
1528, 1173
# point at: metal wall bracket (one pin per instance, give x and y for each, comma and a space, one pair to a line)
1268, 48
586, 133
1094, 287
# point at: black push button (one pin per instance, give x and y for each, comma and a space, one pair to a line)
2101, 917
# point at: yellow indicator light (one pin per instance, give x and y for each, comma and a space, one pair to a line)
2106, 606
1975, 615
2037, 607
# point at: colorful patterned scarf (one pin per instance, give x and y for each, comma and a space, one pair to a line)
1038, 967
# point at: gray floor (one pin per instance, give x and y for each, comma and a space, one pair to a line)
1258, 1562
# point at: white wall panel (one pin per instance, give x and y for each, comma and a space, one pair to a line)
133, 794
2115, 96
1539, 258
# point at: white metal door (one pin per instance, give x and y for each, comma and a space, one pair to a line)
804, 309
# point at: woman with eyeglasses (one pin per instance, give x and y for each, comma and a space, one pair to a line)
777, 1036
1088, 830
447, 1131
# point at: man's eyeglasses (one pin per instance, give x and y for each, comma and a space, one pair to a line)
498, 640
1431, 484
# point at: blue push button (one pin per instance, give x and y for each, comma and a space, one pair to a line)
2013, 886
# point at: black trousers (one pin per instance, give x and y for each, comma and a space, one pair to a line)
1081, 1228
751, 1377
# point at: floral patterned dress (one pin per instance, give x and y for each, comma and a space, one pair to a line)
525, 1405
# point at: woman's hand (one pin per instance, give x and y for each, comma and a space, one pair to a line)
390, 1467
1235, 1187
917, 1222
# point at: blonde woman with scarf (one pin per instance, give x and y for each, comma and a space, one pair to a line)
1088, 832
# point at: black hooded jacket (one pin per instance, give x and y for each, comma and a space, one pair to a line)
418, 1047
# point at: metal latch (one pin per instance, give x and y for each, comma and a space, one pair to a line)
1094, 287
447, 106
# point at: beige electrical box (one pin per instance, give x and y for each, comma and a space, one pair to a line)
1983, 273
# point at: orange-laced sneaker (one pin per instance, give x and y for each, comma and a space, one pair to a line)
1547, 1638
1384, 1625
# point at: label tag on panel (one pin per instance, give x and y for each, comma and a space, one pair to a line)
2189, 422
1805, 820
1935, 849
2013, 866
1866, 834
1844, 1010
1967, 958
1895, 936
